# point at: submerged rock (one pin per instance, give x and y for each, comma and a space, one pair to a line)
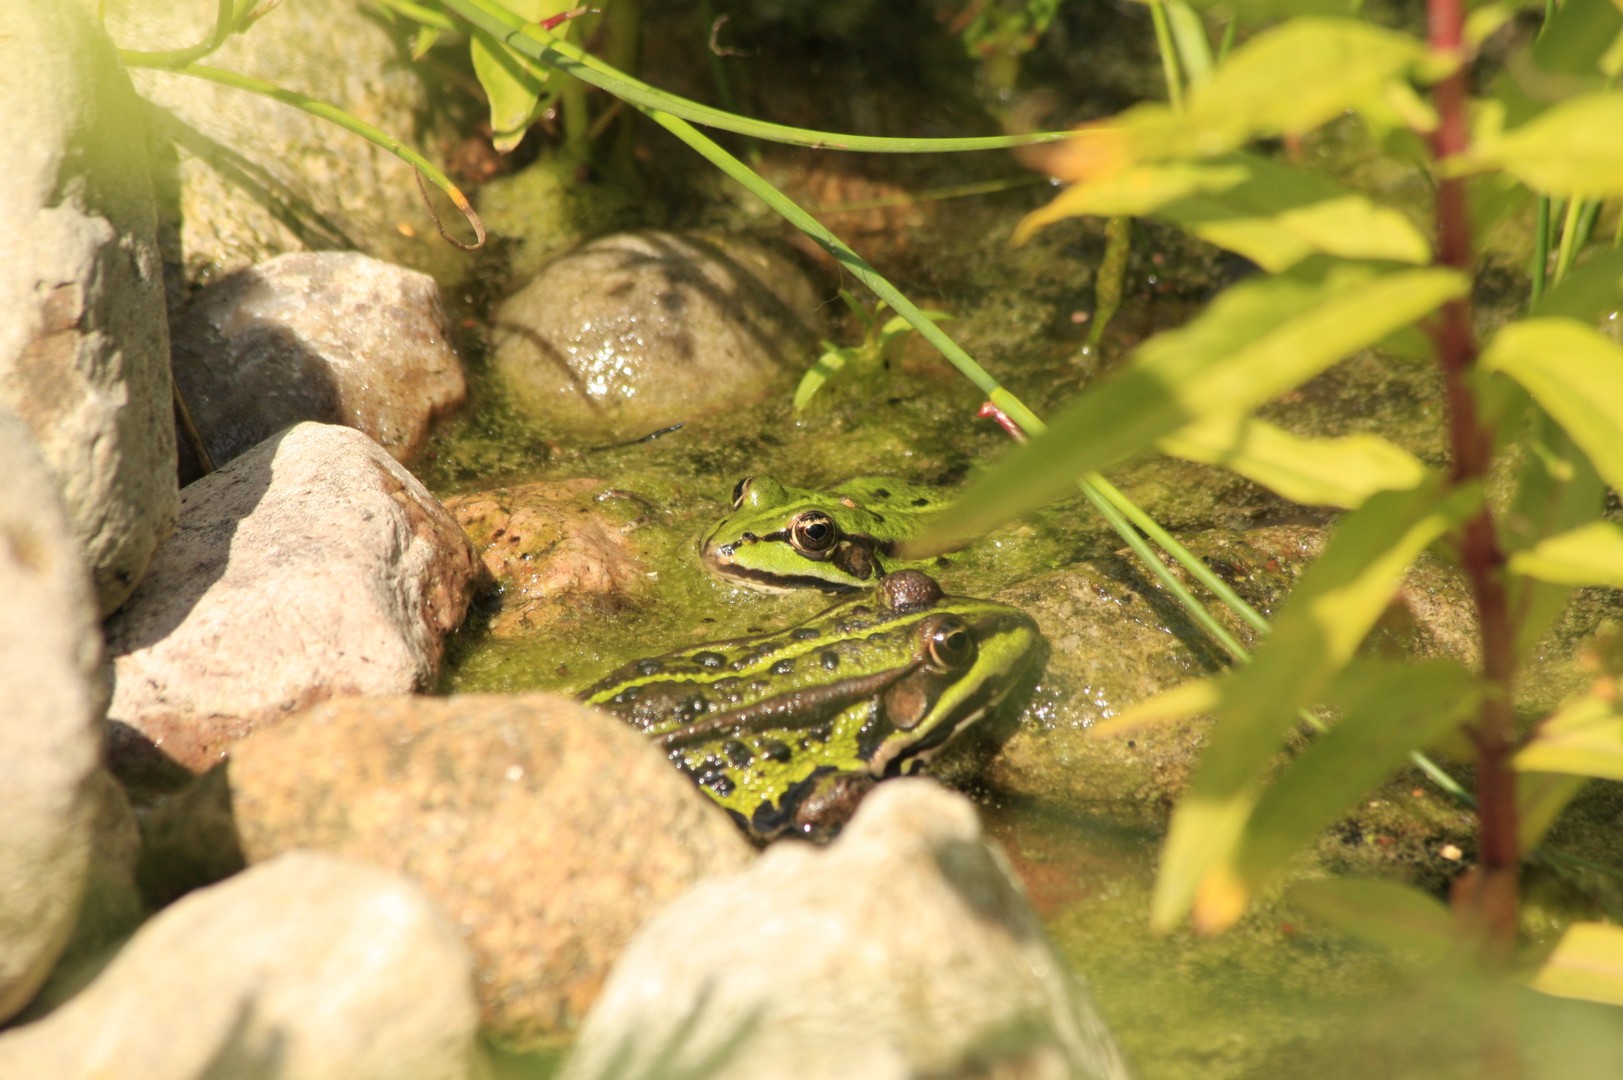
307, 968
904, 949
312, 566
547, 831
334, 336
636, 331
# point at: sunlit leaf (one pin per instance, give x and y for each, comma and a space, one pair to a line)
1592, 290
1315, 472
1540, 798
1387, 711
1576, 375
513, 83
1296, 76
1587, 963
1588, 555
1271, 213
1568, 149
1583, 738
1315, 634
1385, 913
1253, 342
828, 365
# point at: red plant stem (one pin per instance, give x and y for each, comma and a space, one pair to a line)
1492, 900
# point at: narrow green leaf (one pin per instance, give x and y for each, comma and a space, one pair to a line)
1588, 555
1387, 710
1582, 738
1382, 912
1591, 291
827, 366
1315, 472
1294, 77
1587, 963
1315, 634
1253, 342
1568, 149
1576, 375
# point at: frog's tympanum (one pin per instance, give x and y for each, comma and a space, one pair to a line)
788, 730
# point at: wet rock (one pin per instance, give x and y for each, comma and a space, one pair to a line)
636, 331
246, 178
307, 968
904, 949
84, 349
551, 547
53, 688
311, 566
546, 831
335, 337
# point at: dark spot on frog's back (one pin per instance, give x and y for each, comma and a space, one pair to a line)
709, 659
921, 502
881, 493
649, 667
783, 667
804, 633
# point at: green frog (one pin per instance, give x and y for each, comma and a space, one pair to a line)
788, 730
839, 540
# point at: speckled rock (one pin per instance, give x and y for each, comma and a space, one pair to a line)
904, 949
332, 336
246, 178
547, 831
84, 349
551, 546
53, 688
636, 331
307, 968
313, 565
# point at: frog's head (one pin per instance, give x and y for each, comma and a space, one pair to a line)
779, 538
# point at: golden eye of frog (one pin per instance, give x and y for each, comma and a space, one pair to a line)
788, 730
838, 540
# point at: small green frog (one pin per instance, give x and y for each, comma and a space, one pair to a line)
839, 540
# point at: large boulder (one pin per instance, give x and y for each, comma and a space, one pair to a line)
84, 348
53, 689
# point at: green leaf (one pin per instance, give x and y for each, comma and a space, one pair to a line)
1387, 711
513, 83
1588, 555
1582, 738
1540, 798
1568, 149
1271, 213
1383, 912
1576, 375
828, 365
1253, 342
1315, 634
1587, 963
1292, 78
1589, 292
1315, 472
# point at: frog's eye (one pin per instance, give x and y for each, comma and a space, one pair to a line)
741, 489
813, 532
949, 644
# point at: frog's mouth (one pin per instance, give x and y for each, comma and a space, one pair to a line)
718, 559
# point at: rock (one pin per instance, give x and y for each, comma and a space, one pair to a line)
546, 831
245, 177
333, 336
904, 949
307, 968
84, 349
636, 331
551, 548
53, 685
311, 566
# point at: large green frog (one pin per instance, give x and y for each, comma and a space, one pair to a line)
839, 540
788, 730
